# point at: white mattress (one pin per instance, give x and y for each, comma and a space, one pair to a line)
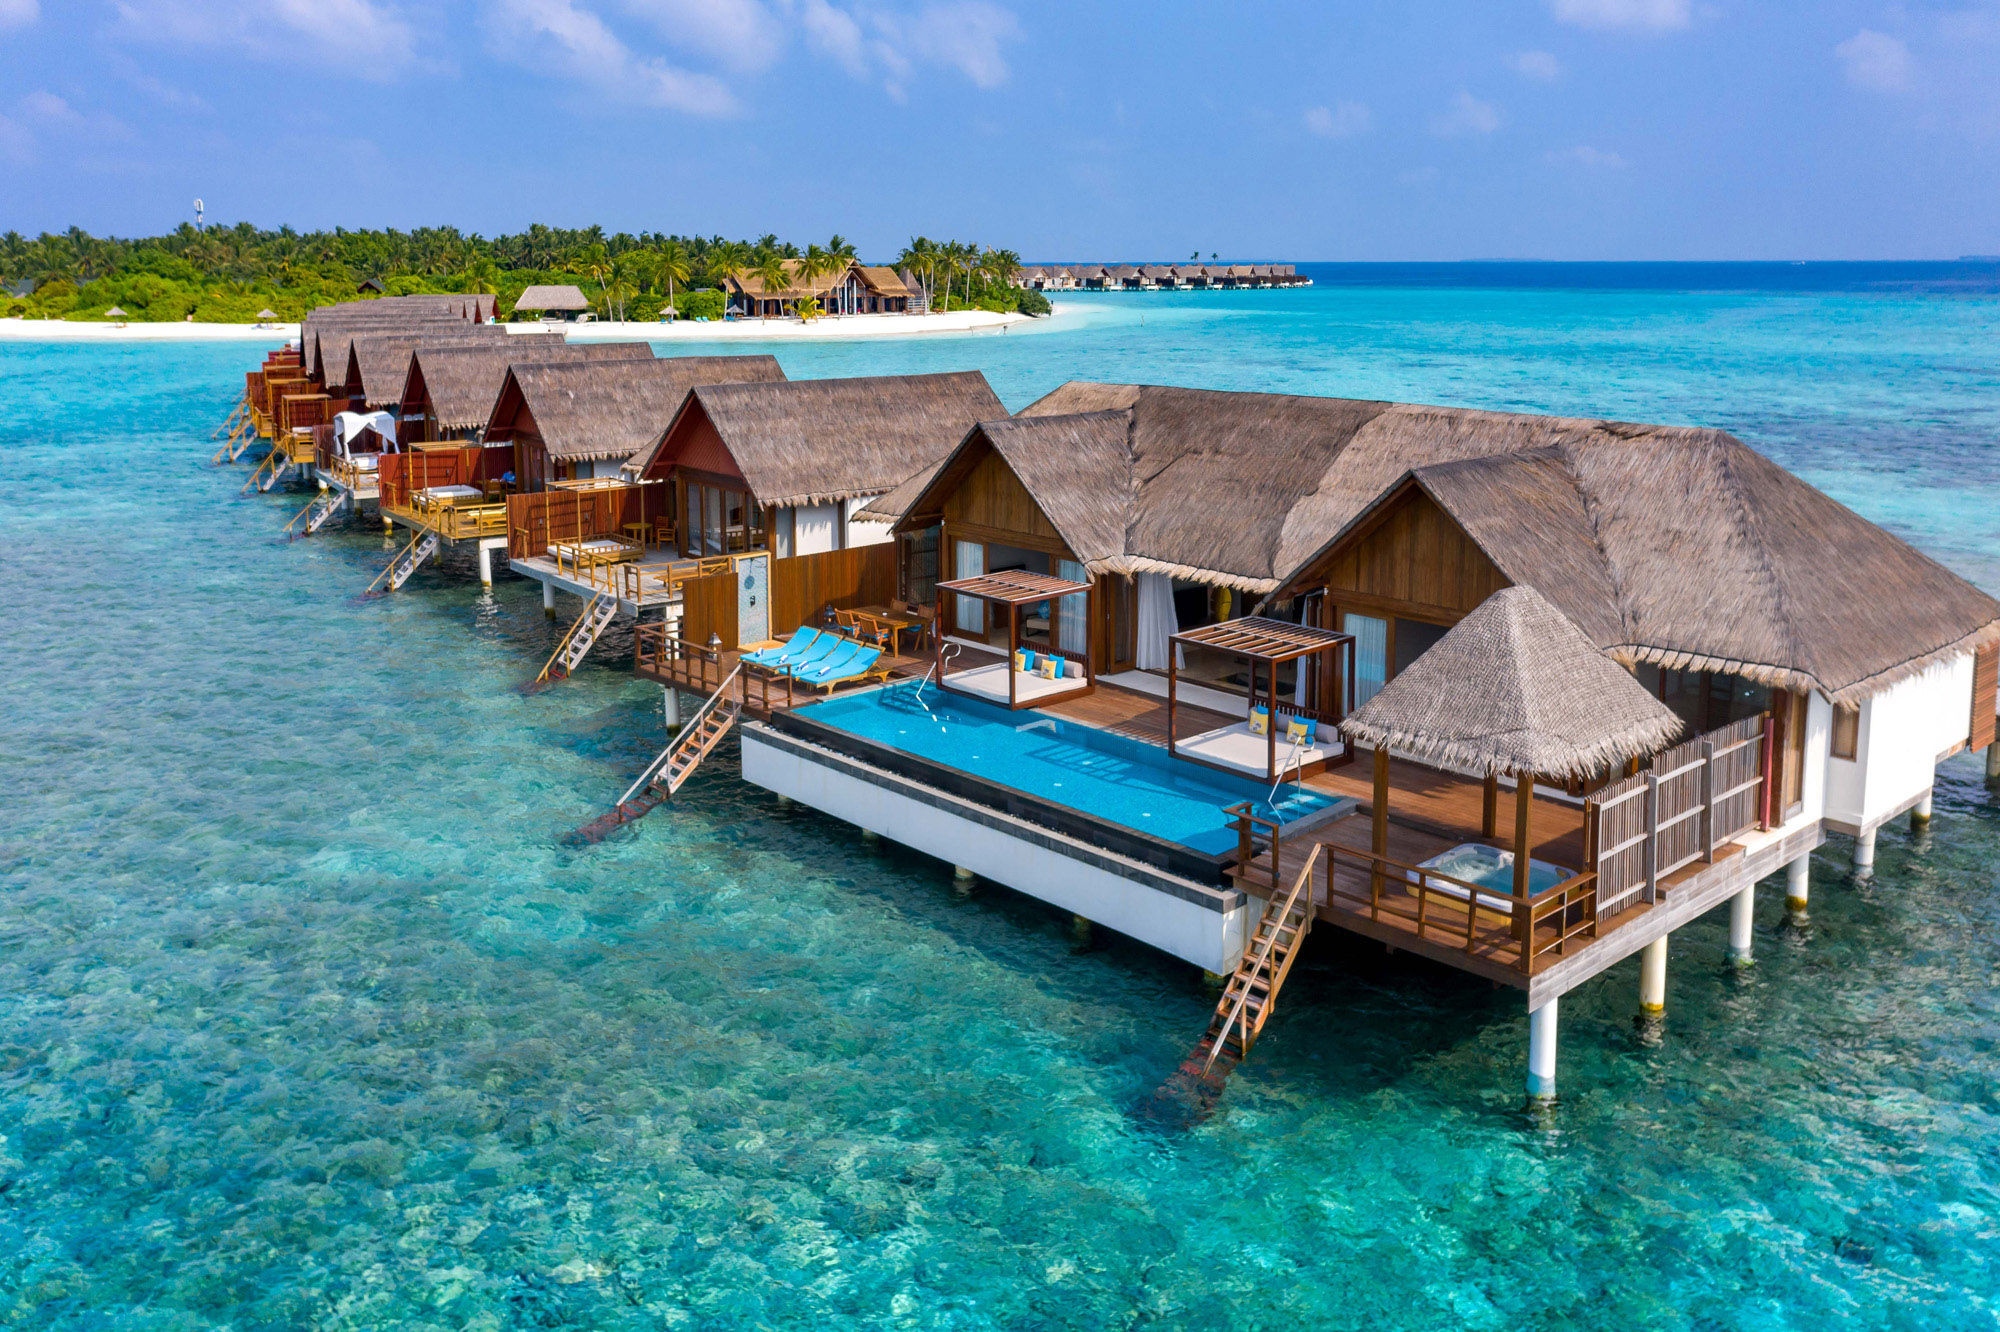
991, 682
1233, 746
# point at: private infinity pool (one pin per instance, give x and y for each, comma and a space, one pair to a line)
1107, 776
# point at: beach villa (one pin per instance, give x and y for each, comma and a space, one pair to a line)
852, 288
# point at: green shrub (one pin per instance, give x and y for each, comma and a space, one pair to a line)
1031, 302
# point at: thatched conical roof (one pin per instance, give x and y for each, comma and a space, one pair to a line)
562, 297
378, 367
1515, 687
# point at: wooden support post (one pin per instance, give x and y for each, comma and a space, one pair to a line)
1650, 851
1378, 835
1489, 813
1524, 800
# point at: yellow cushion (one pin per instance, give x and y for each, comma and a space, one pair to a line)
1260, 722
1300, 730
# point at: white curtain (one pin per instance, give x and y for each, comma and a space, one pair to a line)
1073, 611
1157, 623
1371, 655
971, 560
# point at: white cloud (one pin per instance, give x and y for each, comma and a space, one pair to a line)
563, 37
19, 13
41, 116
966, 35
1640, 15
1343, 120
368, 38
740, 34
1467, 115
1876, 61
1536, 65
1584, 155
834, 34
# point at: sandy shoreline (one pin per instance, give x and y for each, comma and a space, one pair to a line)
753, 330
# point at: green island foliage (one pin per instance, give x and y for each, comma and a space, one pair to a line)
231, 274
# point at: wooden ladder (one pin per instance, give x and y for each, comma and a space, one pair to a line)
316, 514
676, 763
422, 546
1246, 1001
576, 644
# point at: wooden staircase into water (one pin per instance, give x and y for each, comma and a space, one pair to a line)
665, 775
576, 644
1248, 998
317, 514
422, 546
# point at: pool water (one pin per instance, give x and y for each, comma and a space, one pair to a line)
1109, 776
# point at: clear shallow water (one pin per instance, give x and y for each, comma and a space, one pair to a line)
306, 1019
1107, 775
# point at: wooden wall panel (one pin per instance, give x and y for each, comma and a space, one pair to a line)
708, 609
1417, 556
804, 585
536, 519
992, 497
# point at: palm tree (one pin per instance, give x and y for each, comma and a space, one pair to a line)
920, 257
670, 264
594, 262
772, 275
842, 248
816, 264
807, 310
620, 281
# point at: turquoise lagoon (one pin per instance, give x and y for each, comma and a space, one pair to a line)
307, 1018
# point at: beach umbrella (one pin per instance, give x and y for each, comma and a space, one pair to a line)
114, 313
267, 314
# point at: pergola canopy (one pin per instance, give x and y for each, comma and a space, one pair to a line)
1261, 638
1013, 587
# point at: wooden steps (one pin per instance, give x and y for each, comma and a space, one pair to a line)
422, 546
576, 644
665, 775
1248, 998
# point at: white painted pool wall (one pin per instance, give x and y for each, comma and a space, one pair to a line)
1212, 940
1903, 730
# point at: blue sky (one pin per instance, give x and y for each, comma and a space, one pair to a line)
1418, 129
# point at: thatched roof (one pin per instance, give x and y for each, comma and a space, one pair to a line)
1077, 468
881, 280
563, 297
814, 441
1665, 544
462, 381
611, 409
328, 341
1515, 688
379, 366
1692, 551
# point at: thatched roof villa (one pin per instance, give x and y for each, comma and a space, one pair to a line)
563, 300
450, 390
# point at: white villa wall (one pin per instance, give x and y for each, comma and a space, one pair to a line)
814, 531
1903, 730
1025, 860
863, 534
1813, 789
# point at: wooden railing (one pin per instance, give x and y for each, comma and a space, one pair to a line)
638, 581
1513, 928
1691, 799
1256, 836
693, 666
592, 561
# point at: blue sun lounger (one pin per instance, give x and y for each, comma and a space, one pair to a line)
794, 649
863, 662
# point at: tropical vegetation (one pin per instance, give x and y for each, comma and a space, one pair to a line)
232, 274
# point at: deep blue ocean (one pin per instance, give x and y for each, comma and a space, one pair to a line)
309, 1020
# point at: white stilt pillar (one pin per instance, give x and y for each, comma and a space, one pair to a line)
1920, 817
1864, 854
549, 600
784, 802
962, 874
1742, 915
388, 523
485, 566
1653, 977
670, 707
1542, 1052
1993, 762
1079, 931
870, 836
1797, 876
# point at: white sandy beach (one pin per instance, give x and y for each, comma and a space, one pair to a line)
754, 330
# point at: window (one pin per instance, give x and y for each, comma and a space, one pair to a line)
1371, 655
1846, 731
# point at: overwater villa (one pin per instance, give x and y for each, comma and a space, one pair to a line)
1603, 589
1158, 277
